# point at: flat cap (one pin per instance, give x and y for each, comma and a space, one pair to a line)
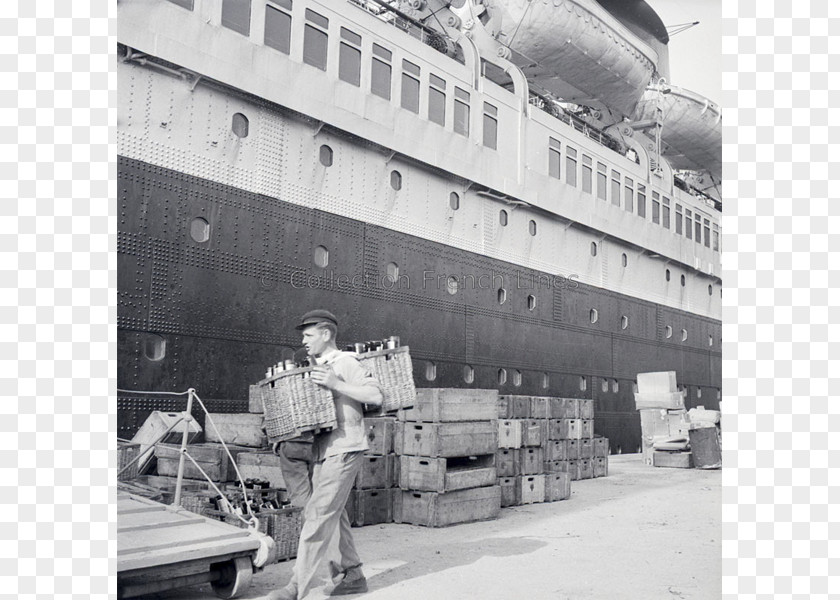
313, 317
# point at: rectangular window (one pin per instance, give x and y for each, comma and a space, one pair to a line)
586, 175
697, 229
278, 26
666, 212
315, 40
688, 223
571, 166
410, 98
236, 15
678, 220
615, 188
706, 233
641, 200
654, 207
350, 57
715, 238
602, 181
491, 125
437, 100
462, 112
380, 72
628, 194
554, 158
188, 4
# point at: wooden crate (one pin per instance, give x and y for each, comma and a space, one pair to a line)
531, 432
127, 452
574, 469
507, 462
520, 407
563, 408
503, 406
446, 405
556, 450
600, 447
531, 461
564, 429
154, 427
586, 408
585, 468
242, 429
370, 507
375, 472
380, 434
587, 429
676, 460
540, 407
572, 449
261, 465
600, 466
556, 466
210, 457
584, 448
447, 439
255, 401
447, 474
531, 489
507, 486
395, 471
558, 486
510, 433
434, 509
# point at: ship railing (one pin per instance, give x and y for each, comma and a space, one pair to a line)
575, 122
388, 14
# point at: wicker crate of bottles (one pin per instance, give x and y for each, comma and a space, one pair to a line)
295, 404
392, 368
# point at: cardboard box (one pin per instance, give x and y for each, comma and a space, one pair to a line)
667, 401
660, 382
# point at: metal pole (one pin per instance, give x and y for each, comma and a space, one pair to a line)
187, 421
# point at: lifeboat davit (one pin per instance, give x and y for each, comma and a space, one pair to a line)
578, 51
691, 128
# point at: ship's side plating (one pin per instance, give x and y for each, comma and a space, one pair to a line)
237, 213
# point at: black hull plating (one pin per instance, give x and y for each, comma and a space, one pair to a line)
226, 307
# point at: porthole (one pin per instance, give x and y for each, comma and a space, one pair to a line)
615, 386
452, 285
668, 331
545, 381
593, 249
593, 315
532, 227
321, 256
200, 230
532, 302
469, 374
326, 156
667, 274
711, 341
635, 388
605, 385
501, 295
154, 347
699, 393
240, 125
684, 335
623, 259
710, 290
502, 375
517, 378
392, 272
503, 217
718, 394
582, 383
431, 371
682, 280
396, 180
454, 201
625, 322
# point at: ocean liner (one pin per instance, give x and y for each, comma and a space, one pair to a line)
513, 187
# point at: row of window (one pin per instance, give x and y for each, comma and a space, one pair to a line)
634, 194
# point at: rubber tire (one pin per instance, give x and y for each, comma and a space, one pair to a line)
235, 578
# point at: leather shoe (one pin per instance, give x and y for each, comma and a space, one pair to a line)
347, 586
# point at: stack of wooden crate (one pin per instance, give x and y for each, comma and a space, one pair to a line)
544, 444
663, 418
371, 500
446, 445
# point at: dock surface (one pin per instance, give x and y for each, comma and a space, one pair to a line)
641, 533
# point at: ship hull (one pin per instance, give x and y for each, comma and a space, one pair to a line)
213, 315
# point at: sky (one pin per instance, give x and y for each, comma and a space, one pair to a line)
695, 53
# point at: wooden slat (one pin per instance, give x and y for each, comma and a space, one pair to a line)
215, 549
160, 520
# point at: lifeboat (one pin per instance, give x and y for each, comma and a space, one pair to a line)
691, 127
579, 51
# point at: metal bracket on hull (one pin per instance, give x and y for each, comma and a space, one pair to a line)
141, 59
318, 128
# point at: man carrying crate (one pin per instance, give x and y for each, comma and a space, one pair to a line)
337, 457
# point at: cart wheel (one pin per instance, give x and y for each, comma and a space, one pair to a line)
234, 577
